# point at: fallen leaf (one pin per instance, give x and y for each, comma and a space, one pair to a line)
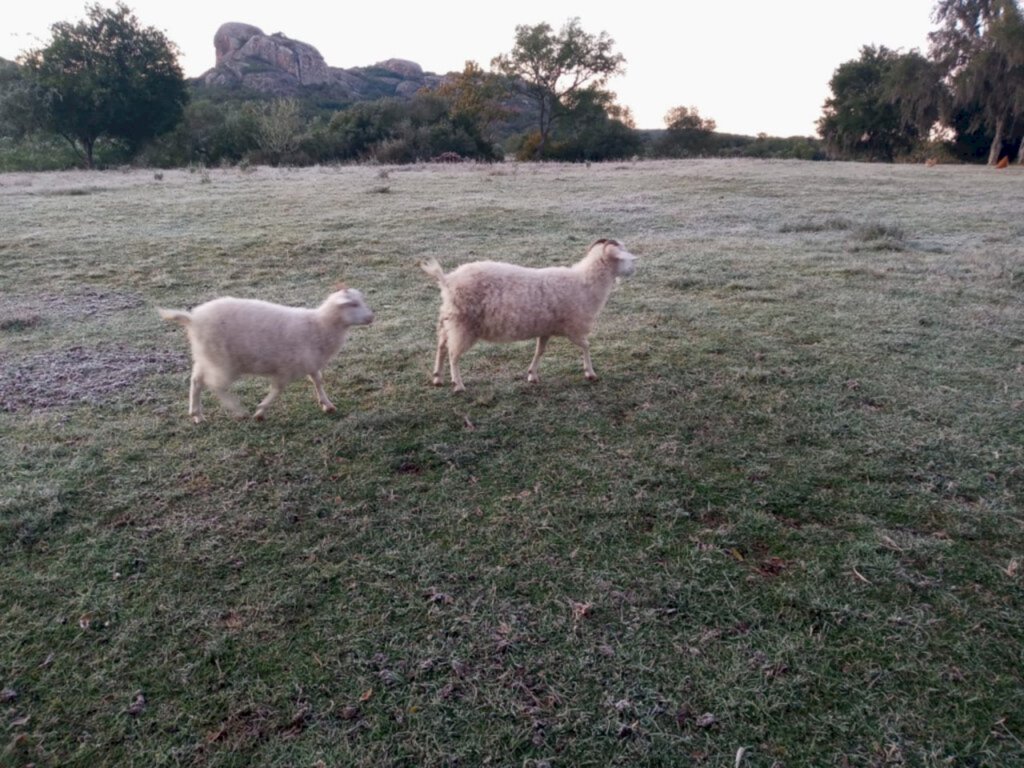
8, 695
367, 695
138, 705
580, 611
349, 713
706, 720
85, 620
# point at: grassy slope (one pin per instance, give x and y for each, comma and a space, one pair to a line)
786, 520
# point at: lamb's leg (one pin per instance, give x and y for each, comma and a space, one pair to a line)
195, 395
582, 343
276, 387
458, 343
230, 401
321, 397
442, 351
531, 372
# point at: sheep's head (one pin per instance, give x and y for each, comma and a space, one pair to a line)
350, 306
613, 252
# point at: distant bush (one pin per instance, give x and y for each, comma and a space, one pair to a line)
46, 152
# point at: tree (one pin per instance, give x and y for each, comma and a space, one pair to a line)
687, 133
475, 96
278, 128
594, 127
864, 117
979, 46
107, 76
549, 69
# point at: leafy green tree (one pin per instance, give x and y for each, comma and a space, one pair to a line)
592, 127
864, 118
687, 133
979, 46
106, 76
549, 69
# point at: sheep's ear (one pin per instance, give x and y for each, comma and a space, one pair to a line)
348, 297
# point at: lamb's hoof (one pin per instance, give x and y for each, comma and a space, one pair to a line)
258, 416
198, 419
591, 377
437, 381
531, 379
458, 388
329, 408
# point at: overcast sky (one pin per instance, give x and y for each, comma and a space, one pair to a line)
751, 65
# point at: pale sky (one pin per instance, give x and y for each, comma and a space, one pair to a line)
751, 65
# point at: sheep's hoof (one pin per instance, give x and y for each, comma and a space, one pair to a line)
458, 388
591, 376
197, 418
437, 381
258, 416
532, 379
328, 408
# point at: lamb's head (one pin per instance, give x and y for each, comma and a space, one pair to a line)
614, 253
349, 306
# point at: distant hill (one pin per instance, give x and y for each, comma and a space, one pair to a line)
275, 65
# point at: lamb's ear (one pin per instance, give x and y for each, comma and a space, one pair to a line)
348, 297
617, 250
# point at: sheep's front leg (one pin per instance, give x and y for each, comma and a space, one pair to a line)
321, 397
582, 343
531, 372
276, 387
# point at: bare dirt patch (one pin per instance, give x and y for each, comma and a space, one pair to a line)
25, 311
79, 375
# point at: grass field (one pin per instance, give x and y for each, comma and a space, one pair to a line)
785, 528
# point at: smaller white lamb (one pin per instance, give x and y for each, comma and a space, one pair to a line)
495, 301
233, 337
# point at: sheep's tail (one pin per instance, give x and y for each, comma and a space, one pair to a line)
175, 316
432, 268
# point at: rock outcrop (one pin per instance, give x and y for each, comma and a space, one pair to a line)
250, 59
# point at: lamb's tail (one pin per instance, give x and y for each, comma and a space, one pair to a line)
175, 316
432, 268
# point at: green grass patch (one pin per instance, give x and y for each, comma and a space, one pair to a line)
785, 521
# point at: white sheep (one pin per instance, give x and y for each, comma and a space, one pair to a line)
495, 301
233, 337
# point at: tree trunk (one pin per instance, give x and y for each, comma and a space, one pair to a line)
1020, 153
997, 144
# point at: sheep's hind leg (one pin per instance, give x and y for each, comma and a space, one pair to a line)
195, 396
442, 351
230, 401
321, 397
276, 388
531, 372
458, 344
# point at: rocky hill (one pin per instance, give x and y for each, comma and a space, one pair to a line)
249, 59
